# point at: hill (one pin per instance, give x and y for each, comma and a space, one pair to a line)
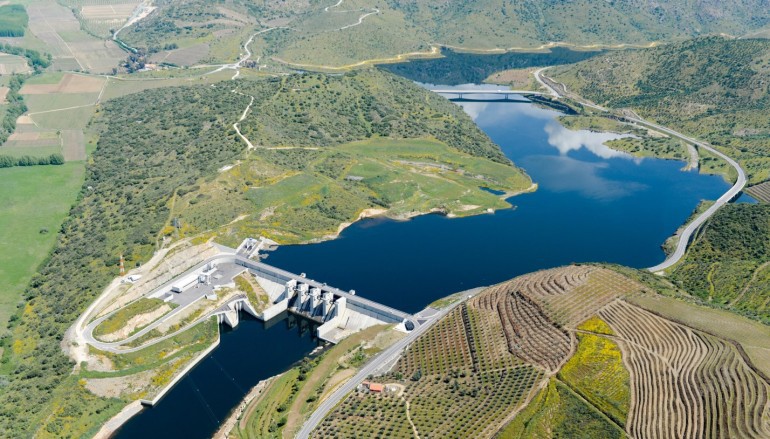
331, 148
567, 352
715, 89
727, 264
343, 33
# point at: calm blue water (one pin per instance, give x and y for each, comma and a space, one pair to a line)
593, 204
197, 405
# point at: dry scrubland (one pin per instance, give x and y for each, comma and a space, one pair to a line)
562, 353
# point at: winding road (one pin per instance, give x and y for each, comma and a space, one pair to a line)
692, 227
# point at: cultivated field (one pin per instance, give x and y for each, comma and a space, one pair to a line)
562, 353
470, 373
101, 17
685, 383
760, 191
10, 64
67, 83
72, 48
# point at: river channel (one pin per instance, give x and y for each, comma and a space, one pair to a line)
592, 204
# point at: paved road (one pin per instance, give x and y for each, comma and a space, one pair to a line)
478, 91
686, 235
377, 365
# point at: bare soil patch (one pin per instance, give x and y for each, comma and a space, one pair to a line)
24, 120
183, 57
24, 137
116, 386
518, 78
73, 145
69, 84
108, 12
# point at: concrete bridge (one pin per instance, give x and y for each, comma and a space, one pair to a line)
507, 95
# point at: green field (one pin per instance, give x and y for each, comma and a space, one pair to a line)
34, 199
13, 20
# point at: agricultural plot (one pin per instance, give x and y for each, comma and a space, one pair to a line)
73, 145
381, 417
10, 64
186, 56
760, 191
685, 383
31, 141
474, 370
71, 47
596, 371
67, 83
35, 201
13, 20
529, 334
102, 17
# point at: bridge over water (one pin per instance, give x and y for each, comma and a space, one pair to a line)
500, 95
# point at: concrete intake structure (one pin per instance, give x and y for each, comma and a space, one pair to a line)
338, 312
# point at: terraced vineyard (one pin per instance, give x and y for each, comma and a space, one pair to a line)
760, 191
561, 353
686, 383
470, 373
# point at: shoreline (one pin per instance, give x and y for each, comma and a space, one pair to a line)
137, 406
235, 416
383, 213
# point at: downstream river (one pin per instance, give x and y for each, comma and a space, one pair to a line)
593, 204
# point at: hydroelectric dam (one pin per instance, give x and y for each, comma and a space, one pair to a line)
335, 313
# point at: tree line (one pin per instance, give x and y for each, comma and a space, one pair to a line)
7, 161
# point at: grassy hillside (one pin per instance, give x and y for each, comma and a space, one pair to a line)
157, 147
331, 147
324, 33
403, 26
715, 89
727, 263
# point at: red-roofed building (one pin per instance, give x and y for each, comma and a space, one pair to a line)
376, 387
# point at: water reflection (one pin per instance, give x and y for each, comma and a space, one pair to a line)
566, 140
566, 174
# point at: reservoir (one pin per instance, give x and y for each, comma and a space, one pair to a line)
592, 204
